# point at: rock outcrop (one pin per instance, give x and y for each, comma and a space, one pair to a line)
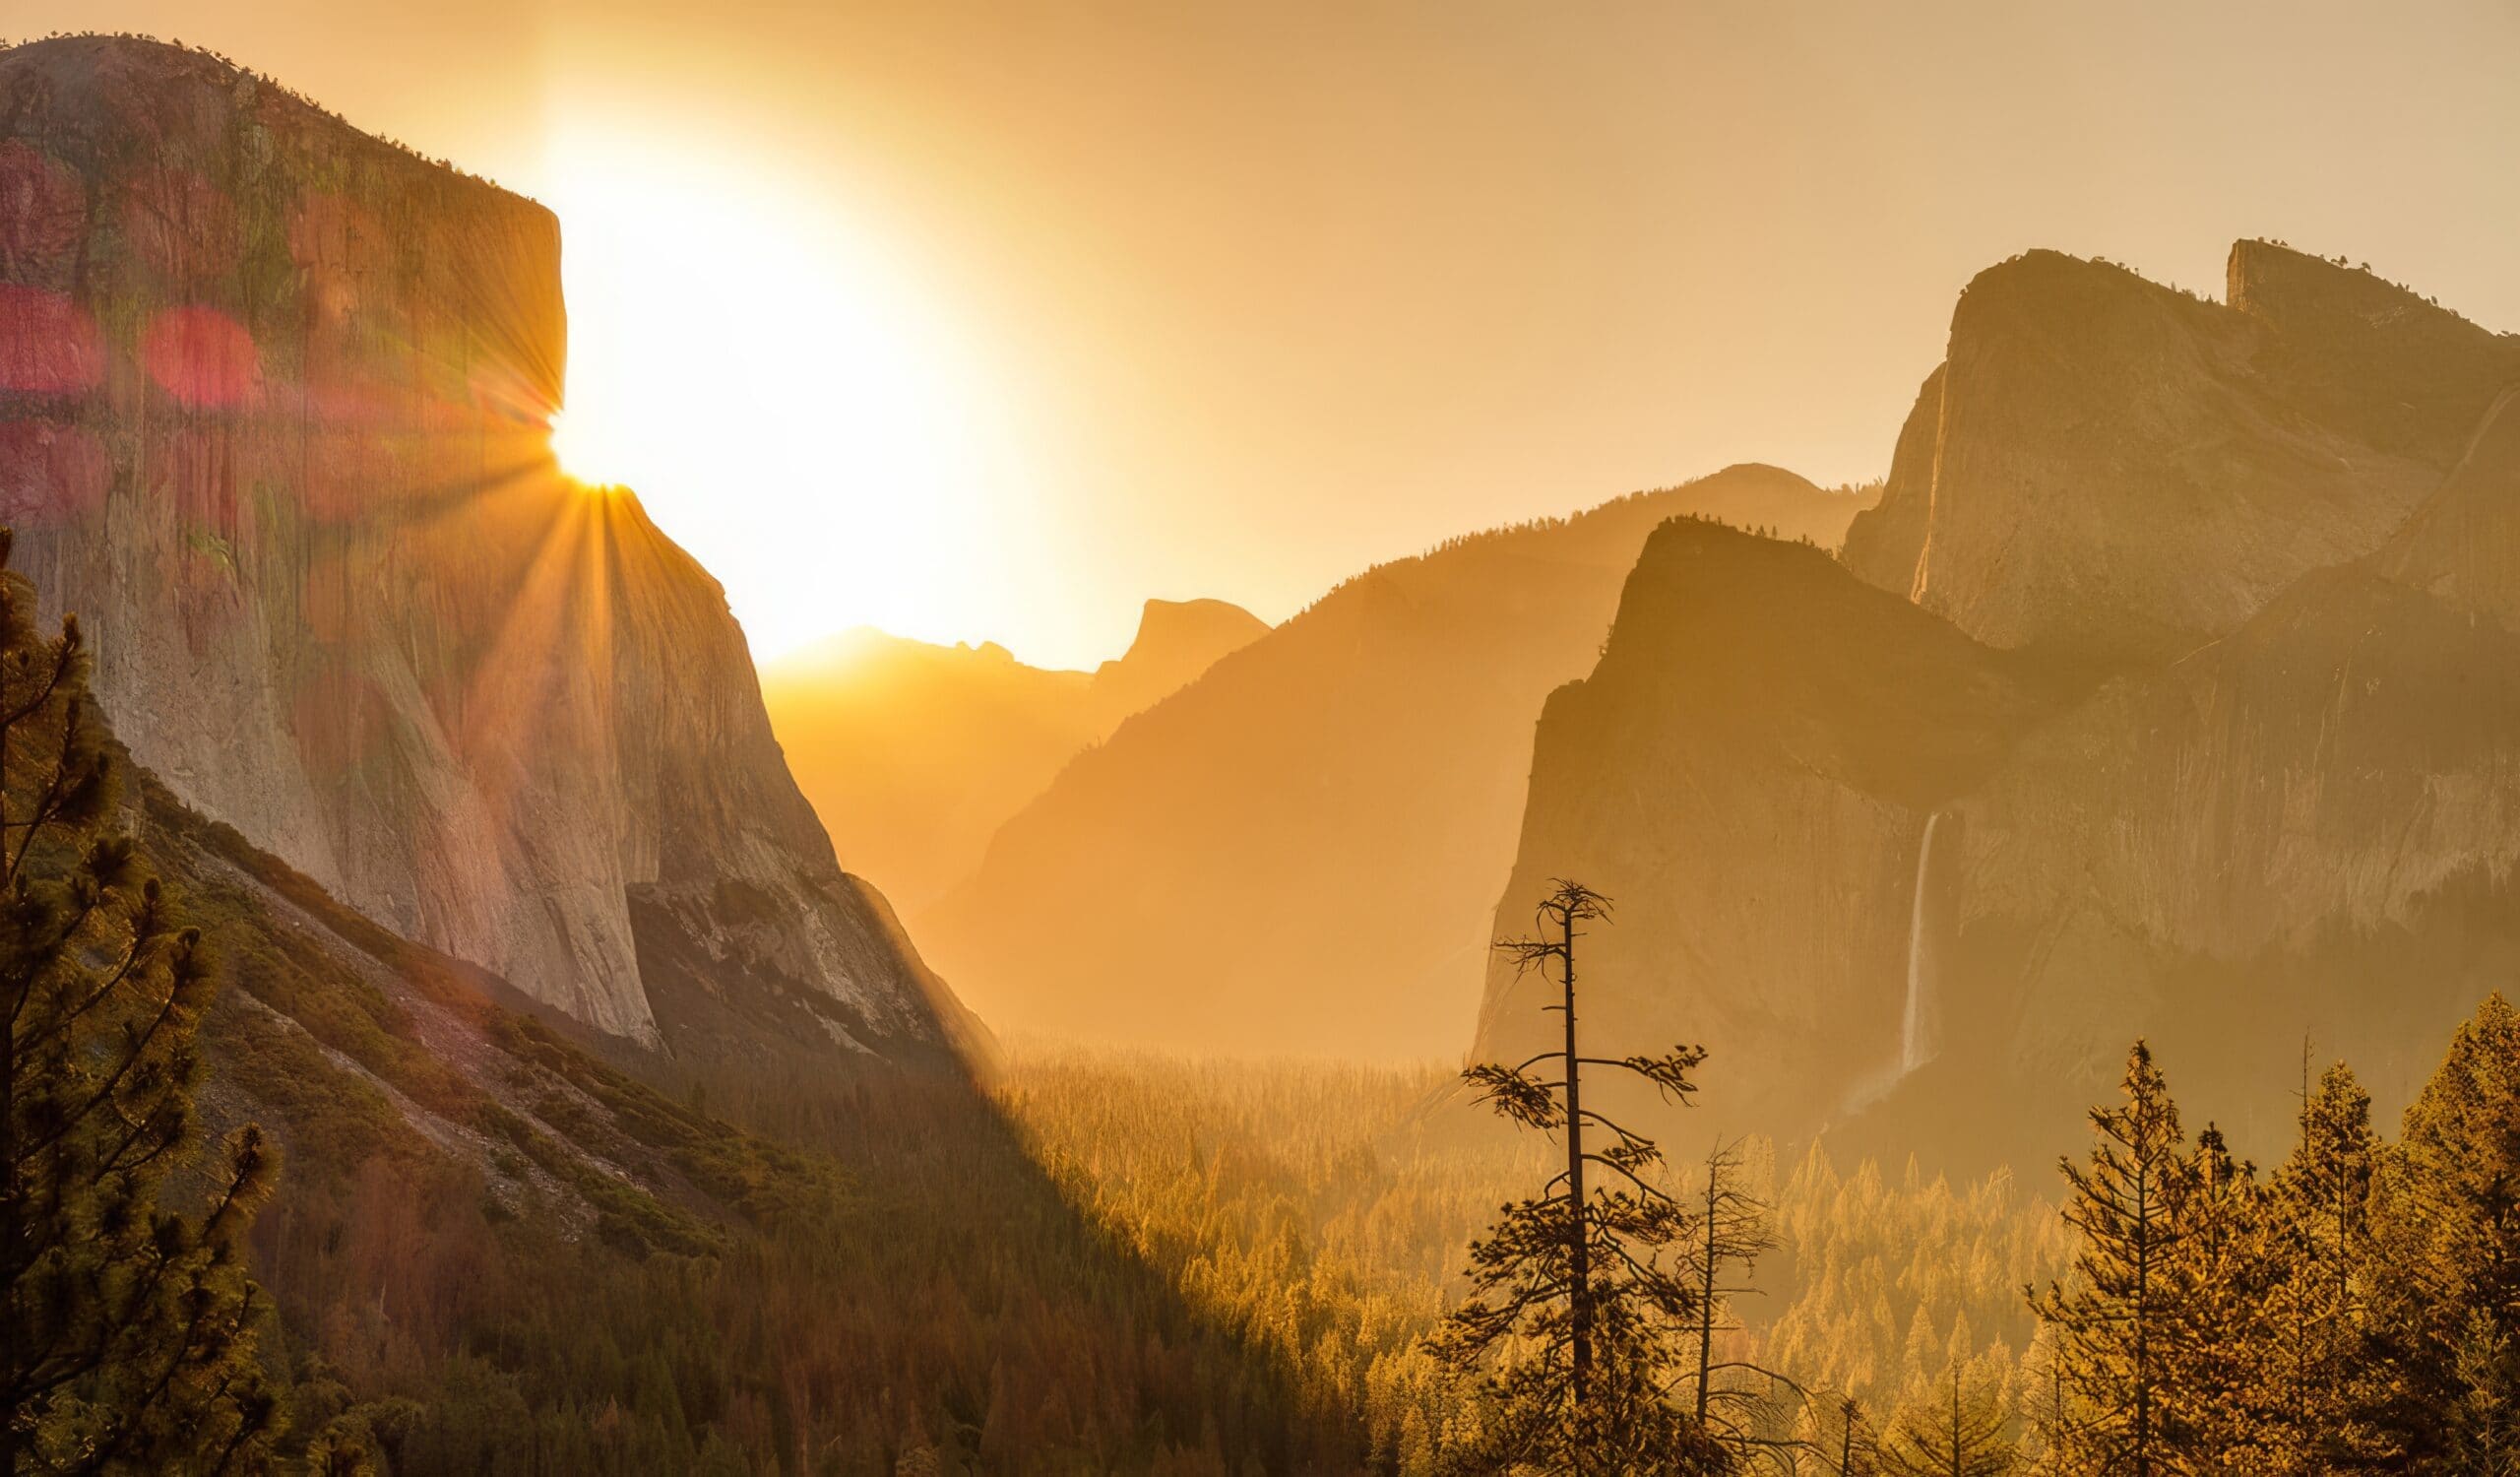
1300, 851
1749, 773
1177, 641
2227, 785
273, 419
2107, 467
917, 752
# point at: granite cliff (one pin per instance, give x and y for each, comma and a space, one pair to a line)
1749, 773
2172, 689
275, 401
2108, 467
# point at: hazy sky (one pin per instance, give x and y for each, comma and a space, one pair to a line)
991, 321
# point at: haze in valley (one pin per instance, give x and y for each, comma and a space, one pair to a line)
1205, 740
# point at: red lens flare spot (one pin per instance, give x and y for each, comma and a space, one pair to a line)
48, 345
201, 357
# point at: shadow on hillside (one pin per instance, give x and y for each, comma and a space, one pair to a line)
1022, 1329
879, 1265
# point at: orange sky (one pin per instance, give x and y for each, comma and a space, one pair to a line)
1181, 299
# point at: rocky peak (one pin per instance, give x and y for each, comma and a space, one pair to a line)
2380, 363
294, 471
2301, 292
1932, 866
1176, 641
1750, 772
1168, 627
2105, 466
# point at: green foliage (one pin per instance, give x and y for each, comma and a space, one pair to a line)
127, 1326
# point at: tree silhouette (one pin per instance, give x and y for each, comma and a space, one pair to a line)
1730, 1230
2445, 1228
126, 1335
2333, 1381
2224, 1374
2118, 1322
1959, 1432
1855, 1453
1573, 1308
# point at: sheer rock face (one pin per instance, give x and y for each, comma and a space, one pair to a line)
1748, 774
2309, 827
2306, 829
1300, 851
274, 421
2109, 466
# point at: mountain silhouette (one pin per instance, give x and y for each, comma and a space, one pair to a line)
1299, 852
917, 752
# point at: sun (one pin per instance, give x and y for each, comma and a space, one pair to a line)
785, 394
577, 445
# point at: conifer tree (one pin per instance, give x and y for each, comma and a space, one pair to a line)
2223, 1373
2330, 1382
1960, 1430
1576, 1308
126, 1329
2046, 1403
2116, 1322
2444, 1289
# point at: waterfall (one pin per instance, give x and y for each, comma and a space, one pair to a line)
1912, 1025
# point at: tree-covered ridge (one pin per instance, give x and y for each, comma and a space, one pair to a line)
2176, 1310
1324, 1211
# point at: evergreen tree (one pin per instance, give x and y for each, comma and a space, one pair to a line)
2223, 1373
2480, 1426
1575, 1311
1959, 1431
2444, 1288
2320, 1201
2117, 1323
126, 1338
2047, 1404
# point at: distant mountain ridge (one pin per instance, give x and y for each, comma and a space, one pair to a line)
1299, 852
2107, 748
275, 406
917, 752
